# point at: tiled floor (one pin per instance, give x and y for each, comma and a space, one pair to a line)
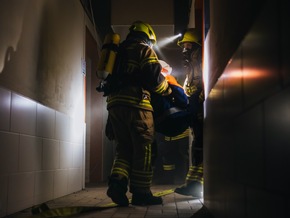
174, 205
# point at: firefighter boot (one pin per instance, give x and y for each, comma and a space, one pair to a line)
143, 199
193, 188
117, 190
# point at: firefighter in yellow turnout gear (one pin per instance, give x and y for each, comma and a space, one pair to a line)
175, 157
190, 43
131, 116
173, 150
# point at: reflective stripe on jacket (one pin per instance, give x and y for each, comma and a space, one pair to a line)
140, 75
180, 136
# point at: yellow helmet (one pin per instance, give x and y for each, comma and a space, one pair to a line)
190, 35
139, 26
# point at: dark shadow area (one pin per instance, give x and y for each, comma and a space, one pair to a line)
202, 213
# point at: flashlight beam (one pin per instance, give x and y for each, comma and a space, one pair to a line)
167, 40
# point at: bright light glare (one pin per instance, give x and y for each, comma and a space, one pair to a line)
167, 40
206, 75
248, 73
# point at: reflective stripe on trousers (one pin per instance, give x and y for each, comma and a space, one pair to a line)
134, 132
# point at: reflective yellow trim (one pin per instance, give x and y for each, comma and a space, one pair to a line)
122, 162
194, 178
149, 60
147, 158
195, 173
118, 170
168, 167
129, 100
162, 87
182, 135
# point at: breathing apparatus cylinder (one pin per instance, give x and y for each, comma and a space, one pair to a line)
108, 55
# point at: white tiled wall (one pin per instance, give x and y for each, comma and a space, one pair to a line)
23, 115
41, 153
5, 97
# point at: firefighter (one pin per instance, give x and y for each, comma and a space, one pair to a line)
175, 157
190, 42
174, 150
131, 116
